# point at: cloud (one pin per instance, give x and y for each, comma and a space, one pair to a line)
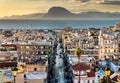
32, 0
111, 2
84, 0
82, 10
79, 1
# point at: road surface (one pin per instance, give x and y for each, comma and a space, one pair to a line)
59, 67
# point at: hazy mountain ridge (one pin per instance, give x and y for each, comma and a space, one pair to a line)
60, 12
28, 16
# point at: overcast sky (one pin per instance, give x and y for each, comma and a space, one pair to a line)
20, 7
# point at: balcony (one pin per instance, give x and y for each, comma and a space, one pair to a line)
82, 74
3, 52
13, 52
91, 49
8, 64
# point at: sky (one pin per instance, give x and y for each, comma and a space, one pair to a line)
21, 7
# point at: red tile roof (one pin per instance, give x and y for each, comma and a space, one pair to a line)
91, 74
9, 45
8, 64
80, 67
115, 78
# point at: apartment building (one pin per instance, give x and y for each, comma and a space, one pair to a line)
86, 74
89, 42
8, 55
86, 39
109, 44
70, 40
33, 49
117, 26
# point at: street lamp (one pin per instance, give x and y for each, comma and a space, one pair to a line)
106, 79
14, 72
107, 71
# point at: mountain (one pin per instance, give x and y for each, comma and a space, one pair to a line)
62, 13
58, 12
29, 16
97, 14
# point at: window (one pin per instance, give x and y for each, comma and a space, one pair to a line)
109, 42
119, 69
105, 51
46, 47
42, 52
105, 42
27, 52
41, 47
27, 47
88, 81
46, 52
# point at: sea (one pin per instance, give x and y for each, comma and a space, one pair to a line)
56, 24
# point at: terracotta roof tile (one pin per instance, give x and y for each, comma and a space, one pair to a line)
91, 74
115, 78
80, 67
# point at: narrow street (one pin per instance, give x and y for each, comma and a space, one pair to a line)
59, 70
59, 66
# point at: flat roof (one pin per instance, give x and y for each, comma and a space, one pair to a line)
35, 75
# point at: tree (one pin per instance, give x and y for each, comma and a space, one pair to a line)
108, 79
78, 53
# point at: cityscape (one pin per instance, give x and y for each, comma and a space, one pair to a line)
59, 41
60, 56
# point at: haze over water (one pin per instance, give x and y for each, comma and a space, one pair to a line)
54, 24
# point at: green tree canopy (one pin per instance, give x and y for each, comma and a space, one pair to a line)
79, 52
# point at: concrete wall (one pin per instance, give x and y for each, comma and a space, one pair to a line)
20, 78
35, 81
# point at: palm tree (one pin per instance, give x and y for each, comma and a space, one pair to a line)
78, 53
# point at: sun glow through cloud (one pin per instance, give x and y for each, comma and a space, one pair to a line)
21, 7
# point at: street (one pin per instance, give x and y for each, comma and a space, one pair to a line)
59, 67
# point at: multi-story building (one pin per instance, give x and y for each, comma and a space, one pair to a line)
117, 26
119, 43
94, 42
89, 42
86, 39
85, 73
70, 40
8, 55
35, 48
32, 43
109, 44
